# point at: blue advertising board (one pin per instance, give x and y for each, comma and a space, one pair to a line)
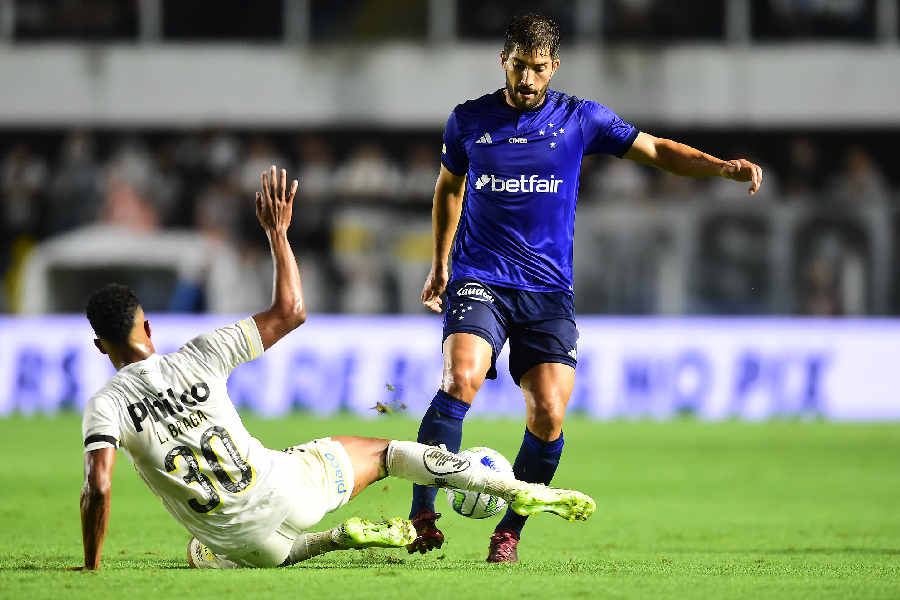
713, 368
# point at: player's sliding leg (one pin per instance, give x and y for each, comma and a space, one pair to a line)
373, 459
353, 533
467, 358
435, 467
547, 388
367, 463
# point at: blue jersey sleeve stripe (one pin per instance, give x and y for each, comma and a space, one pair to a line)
627, 143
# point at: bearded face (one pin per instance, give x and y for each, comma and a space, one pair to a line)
528, 76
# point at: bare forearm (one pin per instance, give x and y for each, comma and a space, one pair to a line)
680, 159
445, 219
95, 507
448, 198
287, 292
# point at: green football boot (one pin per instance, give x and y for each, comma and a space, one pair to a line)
360, 533
535, 498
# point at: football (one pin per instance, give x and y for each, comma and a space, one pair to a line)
477, 505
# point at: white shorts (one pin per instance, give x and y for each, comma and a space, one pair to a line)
326, 478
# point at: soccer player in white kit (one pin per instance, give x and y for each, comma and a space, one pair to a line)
247, 505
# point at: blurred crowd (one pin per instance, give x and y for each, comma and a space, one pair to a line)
654, 20
833, 204
358, 20
362, 218
205, 182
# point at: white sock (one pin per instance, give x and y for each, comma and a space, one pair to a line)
435, 467
312, 544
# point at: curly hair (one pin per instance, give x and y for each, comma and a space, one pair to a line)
532, 32
111, 311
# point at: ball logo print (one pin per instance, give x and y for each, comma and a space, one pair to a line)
476, 505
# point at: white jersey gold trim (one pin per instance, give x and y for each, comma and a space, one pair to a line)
173, 418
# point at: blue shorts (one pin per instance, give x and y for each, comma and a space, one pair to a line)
540, 326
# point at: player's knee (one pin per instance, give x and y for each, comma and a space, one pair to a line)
462, 383
547, 418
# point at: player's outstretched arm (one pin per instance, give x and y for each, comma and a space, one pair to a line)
448, 198
681, 159
96, 496
274, 207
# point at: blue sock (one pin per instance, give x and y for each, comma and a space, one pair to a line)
536, 463
442, 424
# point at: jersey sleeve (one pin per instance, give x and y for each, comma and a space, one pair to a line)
604, 131
100, 425
226, 348
453, 153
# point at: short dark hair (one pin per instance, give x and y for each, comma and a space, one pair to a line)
532, 32
111, 311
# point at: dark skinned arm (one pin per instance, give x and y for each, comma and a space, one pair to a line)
96, 498
274, 207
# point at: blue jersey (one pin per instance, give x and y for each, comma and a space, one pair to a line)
518, 221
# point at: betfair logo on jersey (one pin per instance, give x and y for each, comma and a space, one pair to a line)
163, 407
524, 184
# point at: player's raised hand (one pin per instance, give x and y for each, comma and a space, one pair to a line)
742, 169
435, 285
274, 206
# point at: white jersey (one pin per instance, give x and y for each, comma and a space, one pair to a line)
172, 417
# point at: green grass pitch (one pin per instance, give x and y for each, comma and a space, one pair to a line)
685, 510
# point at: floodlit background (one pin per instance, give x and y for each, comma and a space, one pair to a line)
133, 134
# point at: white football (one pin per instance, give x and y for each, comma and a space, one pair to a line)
474, 504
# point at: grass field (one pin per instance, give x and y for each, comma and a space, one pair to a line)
685, 510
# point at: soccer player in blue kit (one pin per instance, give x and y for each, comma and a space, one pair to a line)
507, 189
